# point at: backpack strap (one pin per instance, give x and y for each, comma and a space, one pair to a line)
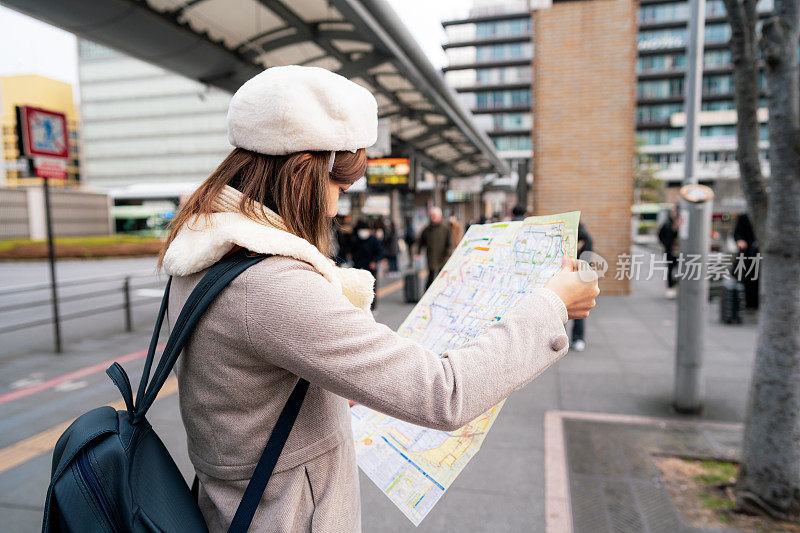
212, 283
269, 457
153, 342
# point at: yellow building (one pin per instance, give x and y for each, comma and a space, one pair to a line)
38, 91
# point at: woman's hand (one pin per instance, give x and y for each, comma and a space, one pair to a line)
576, 289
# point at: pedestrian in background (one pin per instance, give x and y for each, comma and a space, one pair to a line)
456, 232
366, 249
410, 238
579, 324
435, 238
668, 236
745, 238
344, 241
518, 212
390, 245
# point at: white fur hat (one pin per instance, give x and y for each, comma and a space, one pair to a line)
293, 108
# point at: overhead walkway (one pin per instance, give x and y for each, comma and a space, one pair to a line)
225, 42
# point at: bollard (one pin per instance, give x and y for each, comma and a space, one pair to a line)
126, 295
694, 233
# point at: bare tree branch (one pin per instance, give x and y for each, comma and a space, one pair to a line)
744, 55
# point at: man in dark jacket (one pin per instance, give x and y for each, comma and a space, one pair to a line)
668, 236
366, 250
579, 324
745, 238
435, 238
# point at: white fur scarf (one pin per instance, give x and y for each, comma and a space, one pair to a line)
200, 244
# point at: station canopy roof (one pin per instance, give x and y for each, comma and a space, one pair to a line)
225, 42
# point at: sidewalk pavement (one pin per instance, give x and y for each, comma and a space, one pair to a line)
627, 368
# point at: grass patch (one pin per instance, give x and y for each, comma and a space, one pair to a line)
702, 490
716, 473
715, 502
84, 246
90, 240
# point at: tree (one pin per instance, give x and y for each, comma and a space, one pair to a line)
769, 474
646, 186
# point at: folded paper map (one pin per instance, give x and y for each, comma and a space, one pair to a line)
490, 271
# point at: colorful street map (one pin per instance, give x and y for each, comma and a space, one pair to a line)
490, 271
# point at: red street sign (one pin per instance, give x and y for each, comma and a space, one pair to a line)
44, 133
50, 168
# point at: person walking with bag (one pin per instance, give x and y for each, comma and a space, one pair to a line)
295, 318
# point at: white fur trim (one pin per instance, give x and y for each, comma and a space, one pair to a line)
292, 108
199, 245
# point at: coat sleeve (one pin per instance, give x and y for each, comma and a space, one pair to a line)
296, 320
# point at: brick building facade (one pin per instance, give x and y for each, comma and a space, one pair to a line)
584, 103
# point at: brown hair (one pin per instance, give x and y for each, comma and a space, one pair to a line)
296, 184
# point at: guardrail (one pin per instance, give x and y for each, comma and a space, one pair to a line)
123, 285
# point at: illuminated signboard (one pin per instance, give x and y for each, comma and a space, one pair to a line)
44, 133
454, 197
388, 171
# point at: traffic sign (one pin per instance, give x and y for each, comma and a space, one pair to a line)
44, 133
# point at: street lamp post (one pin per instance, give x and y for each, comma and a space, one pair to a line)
694, 233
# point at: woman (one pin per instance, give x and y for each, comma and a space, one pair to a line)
300, 134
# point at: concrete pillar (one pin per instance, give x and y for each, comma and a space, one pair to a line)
37, 220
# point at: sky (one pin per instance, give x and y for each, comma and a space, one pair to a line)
28, 46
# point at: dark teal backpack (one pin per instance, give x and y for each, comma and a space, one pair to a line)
111, 472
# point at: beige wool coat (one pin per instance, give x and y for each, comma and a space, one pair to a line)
281, 320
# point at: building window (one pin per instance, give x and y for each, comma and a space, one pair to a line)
661, 63
672, 88
512, 142
717, 33
496, 76
500, 99
715, 8
658, 13
502, 28
499, 52
511, 121
657, 113
714, 85
660, 135
717, 58
677, 61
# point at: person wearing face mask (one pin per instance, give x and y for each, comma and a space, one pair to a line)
366, 248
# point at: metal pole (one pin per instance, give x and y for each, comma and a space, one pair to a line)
694, 233
126, 295
693, 88
522, 182
52, 260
